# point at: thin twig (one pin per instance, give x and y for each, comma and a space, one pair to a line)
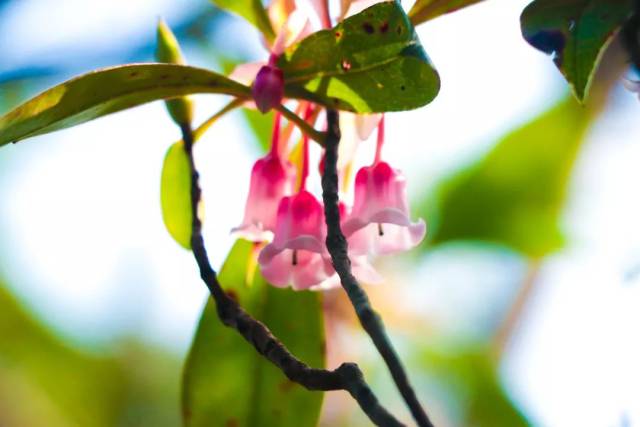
200, 130
517, 309
304, 127
337, 247
346, 377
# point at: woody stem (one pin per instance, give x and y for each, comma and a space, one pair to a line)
337, 247
347, 376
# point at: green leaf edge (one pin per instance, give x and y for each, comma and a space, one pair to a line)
14, 127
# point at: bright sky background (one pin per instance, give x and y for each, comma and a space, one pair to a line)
85, 244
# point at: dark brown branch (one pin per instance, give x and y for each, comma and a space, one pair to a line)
347, 377
337, 246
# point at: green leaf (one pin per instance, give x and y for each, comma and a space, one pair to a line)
251, 10
175, 194
45, 379
107, 91
425, 10
371, 62
575, 33
226, 382
515, 194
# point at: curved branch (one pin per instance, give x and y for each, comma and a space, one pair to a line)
347, 377
337, 247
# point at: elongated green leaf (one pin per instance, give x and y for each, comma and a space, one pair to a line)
371, 62
251, 10
107, 91
575, 33
227, 383
45, 379
175, 194
514, 195
425, 10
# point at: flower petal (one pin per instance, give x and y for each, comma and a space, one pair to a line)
246, 73
366, 123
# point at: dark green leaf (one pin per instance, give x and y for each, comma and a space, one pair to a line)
227, 383
575, 33
371, 62
175, 194
107, 91
425, 10
252, 11
514, 195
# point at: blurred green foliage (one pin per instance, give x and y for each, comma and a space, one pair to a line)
468, 376
251, 10
514, 195
226, 382
44, 381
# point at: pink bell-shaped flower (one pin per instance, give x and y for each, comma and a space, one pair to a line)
360, 263
272, 178
297, 255
379, 222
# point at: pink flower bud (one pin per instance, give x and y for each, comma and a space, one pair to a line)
268, 88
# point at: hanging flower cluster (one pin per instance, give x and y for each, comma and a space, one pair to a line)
282, 212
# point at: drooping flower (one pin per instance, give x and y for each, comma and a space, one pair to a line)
297, 256
380, 222
272, 178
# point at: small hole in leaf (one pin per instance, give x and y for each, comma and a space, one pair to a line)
368, 28
384, 27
